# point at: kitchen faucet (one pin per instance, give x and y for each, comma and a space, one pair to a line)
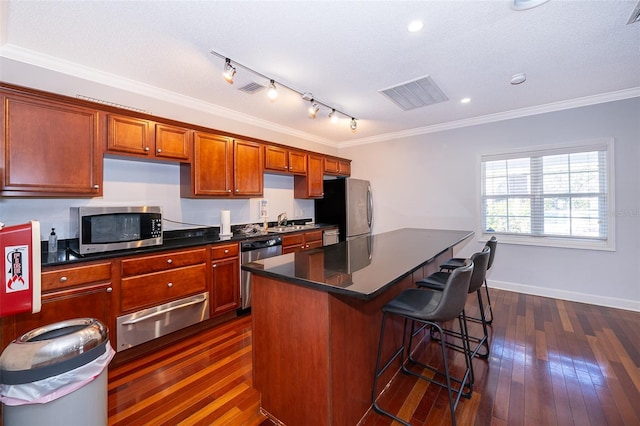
282, 219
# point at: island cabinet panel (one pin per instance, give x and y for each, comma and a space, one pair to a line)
225, 278
49, 148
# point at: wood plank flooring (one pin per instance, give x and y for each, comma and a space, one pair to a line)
552, 362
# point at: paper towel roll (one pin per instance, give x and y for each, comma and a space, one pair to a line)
225, 222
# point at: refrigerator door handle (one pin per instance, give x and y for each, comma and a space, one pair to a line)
369, 206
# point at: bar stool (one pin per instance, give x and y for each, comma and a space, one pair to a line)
456, 262
438, 280
430, 308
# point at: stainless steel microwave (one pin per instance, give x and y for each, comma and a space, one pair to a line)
101, 229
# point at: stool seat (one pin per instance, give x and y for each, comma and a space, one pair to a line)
435, 281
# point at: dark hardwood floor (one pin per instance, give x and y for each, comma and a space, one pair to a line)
552, 362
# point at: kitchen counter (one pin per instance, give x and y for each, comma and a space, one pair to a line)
172, 240
362, 267
316, 319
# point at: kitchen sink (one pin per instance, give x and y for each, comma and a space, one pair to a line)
291, 228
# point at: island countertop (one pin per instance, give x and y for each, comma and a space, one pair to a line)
364, 266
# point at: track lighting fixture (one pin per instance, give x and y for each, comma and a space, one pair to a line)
229, 71
272, 92
313, 109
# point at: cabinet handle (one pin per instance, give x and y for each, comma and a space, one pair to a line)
228, 190
169, 261
159, 151
63, 279
226, 251
109, 289
237, 190
215, 265
96, 186
170, 285
146, 149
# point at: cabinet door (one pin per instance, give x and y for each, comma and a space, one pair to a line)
276, 159
129, 135
49, 148
225, 288
173, 142
212, 166
297, 162
311, 185
248, 169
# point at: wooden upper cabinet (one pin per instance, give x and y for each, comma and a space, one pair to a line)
223, 167
248, 171
337, 166
148, 139
281, 160
49, 148
311, 185
211, 170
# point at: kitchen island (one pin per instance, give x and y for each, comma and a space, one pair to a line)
316, 318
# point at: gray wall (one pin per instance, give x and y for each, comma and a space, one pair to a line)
432, 181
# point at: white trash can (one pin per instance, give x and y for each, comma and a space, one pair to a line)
57, 375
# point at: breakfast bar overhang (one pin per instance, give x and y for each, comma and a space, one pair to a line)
316, 316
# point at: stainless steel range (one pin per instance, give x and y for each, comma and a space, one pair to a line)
256, 249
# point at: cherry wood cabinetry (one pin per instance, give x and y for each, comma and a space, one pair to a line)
68, 292
152, 280
140, 137
311, 185
49, 148
225, 278
337, 166
301, 241
223, 167
281, 160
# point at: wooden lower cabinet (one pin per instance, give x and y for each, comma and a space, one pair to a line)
225, 278
301, 241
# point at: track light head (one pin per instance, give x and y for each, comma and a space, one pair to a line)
333, 116
313, 109
354, 124
272, 92
229, 71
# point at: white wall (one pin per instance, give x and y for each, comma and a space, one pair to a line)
431, 181
128, 182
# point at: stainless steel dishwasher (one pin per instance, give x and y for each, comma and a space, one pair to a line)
256, 249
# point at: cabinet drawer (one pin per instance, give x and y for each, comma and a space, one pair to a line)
295, 239
69, 277
160, 287
162, 262
313, 236
223, 251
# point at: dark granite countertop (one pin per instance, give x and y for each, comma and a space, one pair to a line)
363, 267
172, 240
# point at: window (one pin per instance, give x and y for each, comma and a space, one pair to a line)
558, 196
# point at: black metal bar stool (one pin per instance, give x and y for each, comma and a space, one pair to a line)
438, 280
456, 262
429, 308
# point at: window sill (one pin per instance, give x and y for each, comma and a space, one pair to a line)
527, 240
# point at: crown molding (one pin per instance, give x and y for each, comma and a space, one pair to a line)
37, 59
633, 92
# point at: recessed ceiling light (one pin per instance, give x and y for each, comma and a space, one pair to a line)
465, 100
518, 78
415, 26
526, 4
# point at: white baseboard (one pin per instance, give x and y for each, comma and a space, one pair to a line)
611, 302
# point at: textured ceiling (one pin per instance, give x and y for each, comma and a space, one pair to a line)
342, 52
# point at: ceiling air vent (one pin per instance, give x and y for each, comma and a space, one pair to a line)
251, 88
415, 94
635, 15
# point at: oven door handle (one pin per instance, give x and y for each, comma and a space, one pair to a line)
164, 311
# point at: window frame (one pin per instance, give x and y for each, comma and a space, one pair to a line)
606, 244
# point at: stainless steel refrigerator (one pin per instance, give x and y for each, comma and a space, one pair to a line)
347, 203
